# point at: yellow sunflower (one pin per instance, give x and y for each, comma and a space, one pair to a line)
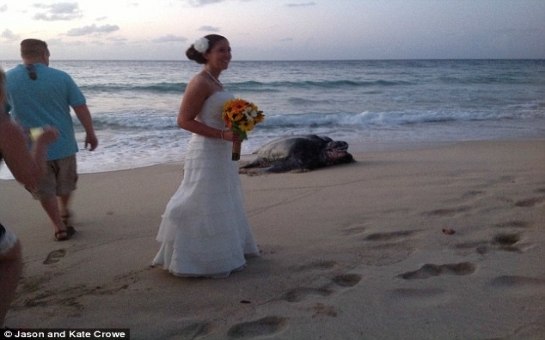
246, 125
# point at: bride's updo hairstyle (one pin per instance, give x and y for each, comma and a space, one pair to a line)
193, 54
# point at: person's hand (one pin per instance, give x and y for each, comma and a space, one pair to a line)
231, 136
91, 141
48, 136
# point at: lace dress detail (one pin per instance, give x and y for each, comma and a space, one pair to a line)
204, 230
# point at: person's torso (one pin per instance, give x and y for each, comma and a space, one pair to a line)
45, 101
211, 112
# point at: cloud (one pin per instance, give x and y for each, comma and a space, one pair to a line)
3, 8
58, 11
169, 38
9, 35
199, 3
204, 2
306, 4
209, 29
120, 41
86, 30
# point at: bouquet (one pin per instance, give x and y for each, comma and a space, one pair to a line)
240, 116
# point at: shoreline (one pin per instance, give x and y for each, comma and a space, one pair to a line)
355, 148
353, 250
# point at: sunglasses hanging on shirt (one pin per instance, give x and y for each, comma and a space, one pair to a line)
31, 71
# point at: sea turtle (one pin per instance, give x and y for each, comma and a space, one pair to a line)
301, 153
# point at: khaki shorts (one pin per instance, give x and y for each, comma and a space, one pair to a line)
60, 179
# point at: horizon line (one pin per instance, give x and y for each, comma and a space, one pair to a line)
295, 60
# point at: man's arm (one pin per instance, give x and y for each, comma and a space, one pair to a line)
84, 116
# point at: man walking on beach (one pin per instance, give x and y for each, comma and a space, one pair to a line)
27, 168
40, 96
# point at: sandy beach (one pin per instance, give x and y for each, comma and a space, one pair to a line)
443, 242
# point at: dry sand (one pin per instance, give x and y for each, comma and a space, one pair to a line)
348, 252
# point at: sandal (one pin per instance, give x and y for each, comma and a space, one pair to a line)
66, 218
64, 235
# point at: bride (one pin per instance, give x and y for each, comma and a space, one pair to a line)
204, 231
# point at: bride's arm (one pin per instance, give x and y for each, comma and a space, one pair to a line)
195, 95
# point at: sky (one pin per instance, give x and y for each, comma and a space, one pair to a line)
278, 29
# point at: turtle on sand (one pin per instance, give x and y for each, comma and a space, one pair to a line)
299, 153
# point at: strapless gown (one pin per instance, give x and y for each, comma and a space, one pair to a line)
204, 231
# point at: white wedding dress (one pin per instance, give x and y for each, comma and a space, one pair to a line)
205, 231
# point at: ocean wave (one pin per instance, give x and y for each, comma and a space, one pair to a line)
489, 80
282, 86
255, 86
162, 87
368, 119
133, 120
306, 85
247, 86
161, 120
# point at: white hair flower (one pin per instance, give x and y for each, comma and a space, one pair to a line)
201, 45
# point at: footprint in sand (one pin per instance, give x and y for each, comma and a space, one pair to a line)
300, 294
430, 270
473, 193
502, 241
192, 331
320, 310
480, 246
448, 212
515, 224
347, 280
506, 242
517, 281
354, 229
317, 265
262, 327
326, 288
518, 285
54, 256
530, 202
386, 248
391, 236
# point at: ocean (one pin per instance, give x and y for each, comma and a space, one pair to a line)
372, 104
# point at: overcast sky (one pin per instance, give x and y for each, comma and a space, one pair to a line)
278, 29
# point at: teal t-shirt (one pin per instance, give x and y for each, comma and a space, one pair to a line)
45, 101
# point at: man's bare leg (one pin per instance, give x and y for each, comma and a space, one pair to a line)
51, 207
64, 202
